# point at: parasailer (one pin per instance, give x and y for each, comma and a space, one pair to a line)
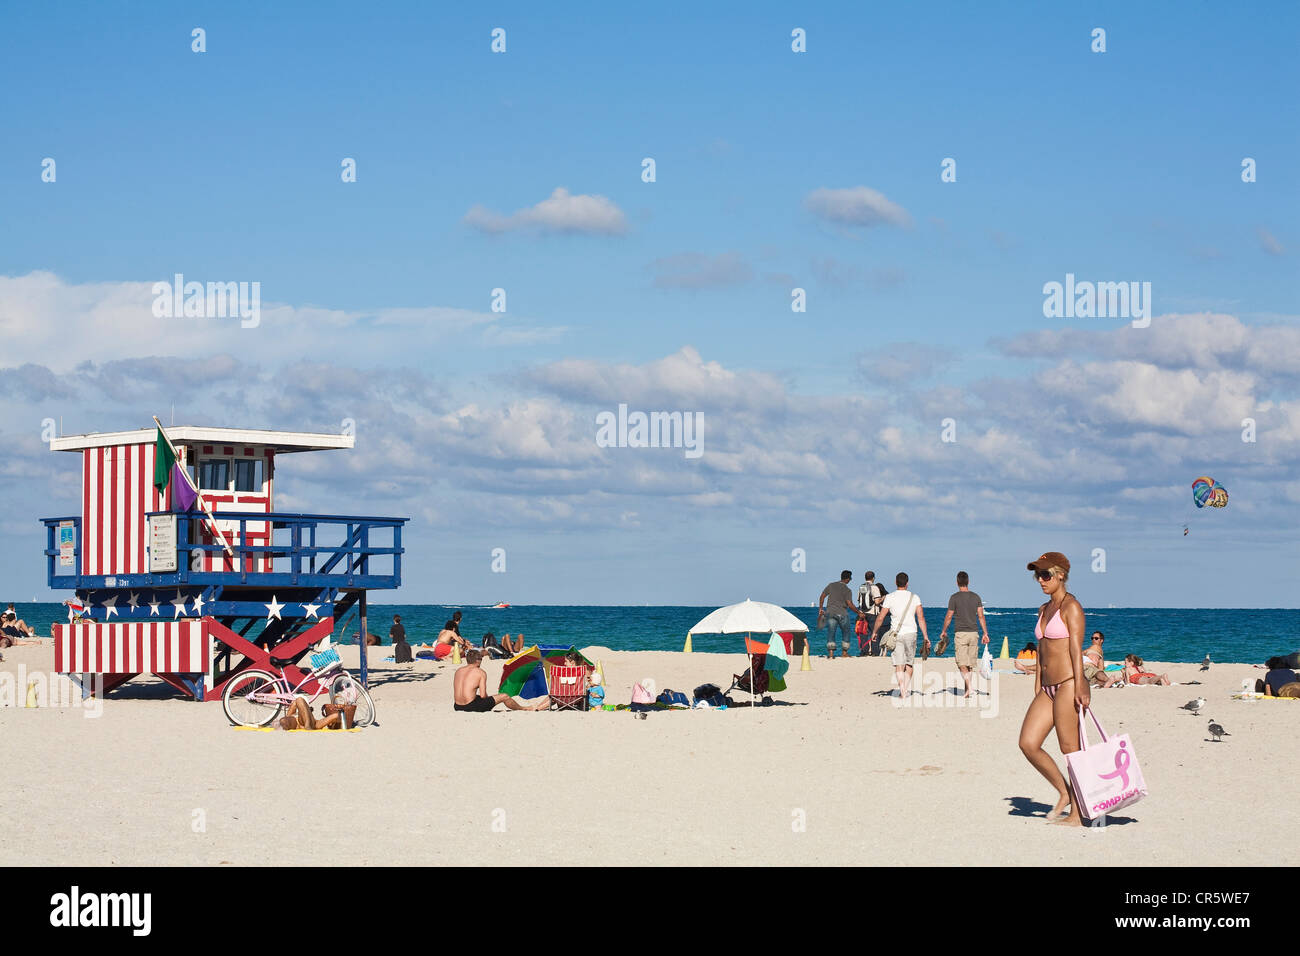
1207, 493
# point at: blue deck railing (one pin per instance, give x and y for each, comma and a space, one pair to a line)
303, 550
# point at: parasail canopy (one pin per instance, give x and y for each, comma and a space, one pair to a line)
1208, 493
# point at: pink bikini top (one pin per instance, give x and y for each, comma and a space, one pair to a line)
1052, 635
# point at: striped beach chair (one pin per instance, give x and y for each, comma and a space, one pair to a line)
568, 687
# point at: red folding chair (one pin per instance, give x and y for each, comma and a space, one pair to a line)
568, 686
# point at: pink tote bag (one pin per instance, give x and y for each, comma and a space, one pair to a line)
1105, 776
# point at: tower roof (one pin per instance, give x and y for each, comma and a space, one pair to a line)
282, 442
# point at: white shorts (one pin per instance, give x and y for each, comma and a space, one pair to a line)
904, 650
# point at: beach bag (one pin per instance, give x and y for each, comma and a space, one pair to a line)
891, 639
640, 695
349, 712
1106, 776
705, 691
861, 629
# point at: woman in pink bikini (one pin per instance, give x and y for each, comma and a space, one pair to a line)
1060, 688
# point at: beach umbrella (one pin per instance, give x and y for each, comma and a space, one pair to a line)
524, 675
750, 618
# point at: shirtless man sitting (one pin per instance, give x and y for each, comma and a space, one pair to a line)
469, 689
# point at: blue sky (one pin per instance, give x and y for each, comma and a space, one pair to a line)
1123, 165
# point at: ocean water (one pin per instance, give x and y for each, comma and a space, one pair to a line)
1156, 634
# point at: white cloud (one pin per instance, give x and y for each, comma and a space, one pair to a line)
1203, 340
563, 212
56, 324
682, 381
857, 206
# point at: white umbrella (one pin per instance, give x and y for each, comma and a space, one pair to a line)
749, 617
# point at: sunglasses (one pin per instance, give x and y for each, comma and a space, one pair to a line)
1043, 575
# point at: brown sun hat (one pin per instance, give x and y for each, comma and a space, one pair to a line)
1052, 559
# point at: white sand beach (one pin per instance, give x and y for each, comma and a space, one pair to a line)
835, 773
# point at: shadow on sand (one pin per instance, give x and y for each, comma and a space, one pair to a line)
1029, 807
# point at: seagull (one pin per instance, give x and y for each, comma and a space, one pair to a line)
1194, 706
1205, 664
1217, 731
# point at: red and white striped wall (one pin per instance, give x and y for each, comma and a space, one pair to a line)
116, 492
133, 647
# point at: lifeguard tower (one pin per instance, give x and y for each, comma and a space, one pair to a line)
195, 596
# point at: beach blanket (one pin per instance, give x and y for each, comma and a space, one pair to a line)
305, 730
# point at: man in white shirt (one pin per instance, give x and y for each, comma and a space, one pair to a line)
905, 613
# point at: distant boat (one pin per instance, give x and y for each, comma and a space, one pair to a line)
502, 604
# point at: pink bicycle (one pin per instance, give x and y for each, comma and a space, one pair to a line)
257, 697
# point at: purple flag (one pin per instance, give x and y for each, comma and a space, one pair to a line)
183, 496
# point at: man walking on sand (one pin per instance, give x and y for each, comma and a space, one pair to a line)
905, 613
469, 690
839, 604
965, 610
870, 597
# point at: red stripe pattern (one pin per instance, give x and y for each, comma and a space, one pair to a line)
116, 493
133, 647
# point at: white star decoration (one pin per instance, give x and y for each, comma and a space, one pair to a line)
179, 604
273, 609
153, 606
198, 604
134, 600
311, 609
110, 606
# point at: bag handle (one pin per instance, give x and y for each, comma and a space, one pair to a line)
1083, 737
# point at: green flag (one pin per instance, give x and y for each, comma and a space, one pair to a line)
163, 459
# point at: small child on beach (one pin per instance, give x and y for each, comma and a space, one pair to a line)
595, 691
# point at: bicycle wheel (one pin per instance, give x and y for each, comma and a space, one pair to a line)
345, 689
248, 701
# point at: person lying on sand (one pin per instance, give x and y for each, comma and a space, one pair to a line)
1280, 681
469, 690
12, 633
1134, 674
10, 620
300, 718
